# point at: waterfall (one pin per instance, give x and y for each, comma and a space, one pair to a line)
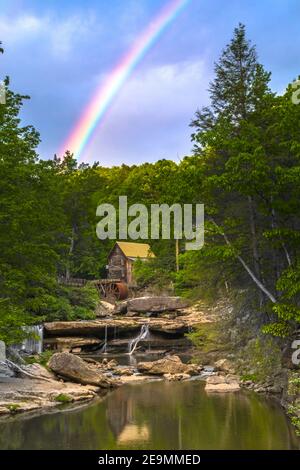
134, 342
104, 348
32, 345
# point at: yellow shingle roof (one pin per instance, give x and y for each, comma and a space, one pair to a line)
136, 250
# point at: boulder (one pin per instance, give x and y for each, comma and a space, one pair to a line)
104, 309
123, 371
108, 306
2, 351
222, 383
176, 377
224, 365
156, 304
4, 369
168, 365
120, 307
112, 364
76, 369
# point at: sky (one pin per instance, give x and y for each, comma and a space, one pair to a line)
60, 51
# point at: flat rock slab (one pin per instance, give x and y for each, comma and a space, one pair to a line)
67, 343
96, 328
89, 327
156, 304
222, 388
21, 395
136, 379
222, 384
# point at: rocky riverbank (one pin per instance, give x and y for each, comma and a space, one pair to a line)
70, 379
46, 391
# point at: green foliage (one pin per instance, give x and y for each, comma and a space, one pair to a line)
245, 168
293, 395
293, 412
279, 329
247, 145
246, 377
71, 303
260, 359
151, 273
12, 319
42, 358
206, 337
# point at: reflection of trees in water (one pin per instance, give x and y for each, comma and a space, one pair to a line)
159, 416
183, 416
119, 411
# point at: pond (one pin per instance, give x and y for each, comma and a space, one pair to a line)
157, 415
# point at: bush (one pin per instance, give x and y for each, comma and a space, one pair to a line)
151, 274
70, 303
260, 359
206, 337
42, 358
12, 319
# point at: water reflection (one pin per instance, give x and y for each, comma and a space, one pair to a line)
158, 416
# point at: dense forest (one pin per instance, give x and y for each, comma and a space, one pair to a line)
245, 168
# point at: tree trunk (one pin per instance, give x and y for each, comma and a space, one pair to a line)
255, 251
71, 250
276, 225
256, 261
258, 283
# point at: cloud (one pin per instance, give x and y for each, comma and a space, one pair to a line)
20, 28
150, 118
60, 36
158, 90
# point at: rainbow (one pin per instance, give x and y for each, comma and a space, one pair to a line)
95, 111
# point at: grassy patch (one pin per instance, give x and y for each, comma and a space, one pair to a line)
13, 407
251, 377
42, 358
63, 398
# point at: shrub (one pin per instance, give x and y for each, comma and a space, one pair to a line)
261, 358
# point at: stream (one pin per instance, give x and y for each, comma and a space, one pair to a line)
157, 415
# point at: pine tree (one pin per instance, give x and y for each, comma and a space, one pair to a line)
237, 93
238, 89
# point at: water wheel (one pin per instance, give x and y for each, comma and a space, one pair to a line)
113, 289
116, 290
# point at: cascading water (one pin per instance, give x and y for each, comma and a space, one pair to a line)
33, 344
104, 348
134, 342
